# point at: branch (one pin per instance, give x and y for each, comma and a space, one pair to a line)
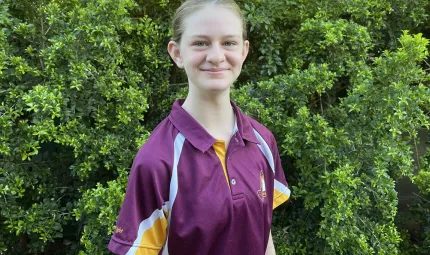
416, 151
179, 84
43, 42
5, 112
426, 63
371, 231
421, 197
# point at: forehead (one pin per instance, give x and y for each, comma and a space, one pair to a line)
213, 21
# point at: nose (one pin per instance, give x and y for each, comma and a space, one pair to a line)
215, 54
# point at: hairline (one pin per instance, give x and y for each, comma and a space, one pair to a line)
232, 7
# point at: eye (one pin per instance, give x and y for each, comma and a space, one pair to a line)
200, 44
229, 43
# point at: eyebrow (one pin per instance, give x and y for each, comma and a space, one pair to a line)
206, 36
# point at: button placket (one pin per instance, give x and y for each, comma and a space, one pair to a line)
236, 144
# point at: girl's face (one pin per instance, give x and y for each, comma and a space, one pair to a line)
212, 49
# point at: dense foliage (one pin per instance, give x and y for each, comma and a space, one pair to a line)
342, 84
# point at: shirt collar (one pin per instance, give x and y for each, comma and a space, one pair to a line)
197, 135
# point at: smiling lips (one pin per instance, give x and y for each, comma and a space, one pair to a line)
215, 71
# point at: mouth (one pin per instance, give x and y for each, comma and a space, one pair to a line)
215, 71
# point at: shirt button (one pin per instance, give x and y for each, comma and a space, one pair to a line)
233, 181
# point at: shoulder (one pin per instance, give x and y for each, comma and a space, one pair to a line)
155, 157
262, 130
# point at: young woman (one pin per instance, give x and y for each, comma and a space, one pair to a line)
208, 178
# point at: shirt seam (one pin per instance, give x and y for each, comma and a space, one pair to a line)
134, 245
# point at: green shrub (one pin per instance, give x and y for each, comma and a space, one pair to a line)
341, 83
74, 94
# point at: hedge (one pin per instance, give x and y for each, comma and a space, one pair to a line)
344, 86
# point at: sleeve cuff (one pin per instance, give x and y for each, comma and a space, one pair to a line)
280, 196
119, 247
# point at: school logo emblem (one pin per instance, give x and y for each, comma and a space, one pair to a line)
262, 191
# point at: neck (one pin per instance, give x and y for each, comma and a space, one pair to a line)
212, 111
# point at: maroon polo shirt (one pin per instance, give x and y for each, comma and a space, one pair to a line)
179, 202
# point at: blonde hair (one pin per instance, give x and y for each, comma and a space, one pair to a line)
190, 6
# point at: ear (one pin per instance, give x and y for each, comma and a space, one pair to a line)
175, 53
245, 50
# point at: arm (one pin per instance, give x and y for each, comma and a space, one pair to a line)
141, 227
270, 247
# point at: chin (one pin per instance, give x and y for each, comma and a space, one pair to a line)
212, 85
217, 86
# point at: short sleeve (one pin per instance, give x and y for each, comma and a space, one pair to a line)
141, 227
281, 191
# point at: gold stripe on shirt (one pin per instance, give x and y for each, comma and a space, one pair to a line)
153, 238
279, 198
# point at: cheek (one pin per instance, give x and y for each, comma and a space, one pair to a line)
235, 59
194, 59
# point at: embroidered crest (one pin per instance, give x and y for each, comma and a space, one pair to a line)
262, 191
118, 229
